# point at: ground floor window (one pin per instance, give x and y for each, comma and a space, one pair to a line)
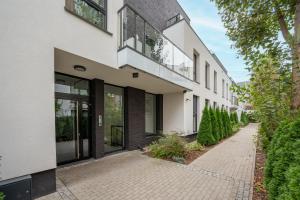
195, 113
150, 114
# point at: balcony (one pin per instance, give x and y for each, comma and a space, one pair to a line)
143, 47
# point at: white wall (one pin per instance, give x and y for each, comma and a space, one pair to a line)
186, 39
29, 32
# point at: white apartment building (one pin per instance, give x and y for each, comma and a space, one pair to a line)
83, 78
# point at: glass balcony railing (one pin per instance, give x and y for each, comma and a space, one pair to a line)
139, 35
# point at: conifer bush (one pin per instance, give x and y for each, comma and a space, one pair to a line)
282, 170
214, 124
229, 124
220, 123
205, 136
225, 123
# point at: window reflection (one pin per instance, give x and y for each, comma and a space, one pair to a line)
141, 36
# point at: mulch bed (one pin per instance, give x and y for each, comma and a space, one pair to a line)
259, 192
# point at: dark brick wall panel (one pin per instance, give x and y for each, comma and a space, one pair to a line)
134, 118
157, 12
97, 101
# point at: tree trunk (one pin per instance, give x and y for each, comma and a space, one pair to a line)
296, 80
296, 63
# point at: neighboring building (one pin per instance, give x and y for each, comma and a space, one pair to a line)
84, 78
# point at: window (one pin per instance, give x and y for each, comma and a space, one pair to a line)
93, 11
207, 103
207, 76
223, 88
215, 105
215, 82
195, 113
195, 66
150, 114
227, 91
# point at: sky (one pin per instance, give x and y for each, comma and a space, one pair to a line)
208, 25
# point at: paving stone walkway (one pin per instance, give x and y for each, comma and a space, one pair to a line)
225, 173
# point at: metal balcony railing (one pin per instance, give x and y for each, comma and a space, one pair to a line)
139, 35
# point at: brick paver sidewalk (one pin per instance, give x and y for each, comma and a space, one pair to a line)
225, 172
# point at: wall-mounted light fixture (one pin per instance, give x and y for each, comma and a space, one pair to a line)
80, 68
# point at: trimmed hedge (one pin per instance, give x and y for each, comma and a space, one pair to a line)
214, 125
220, 123
205, 136
282, 170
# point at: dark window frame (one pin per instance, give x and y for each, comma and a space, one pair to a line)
148, 134
215, 81
195, 66
195, 113
207, 75
70, 6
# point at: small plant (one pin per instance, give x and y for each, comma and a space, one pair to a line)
2, 196
205, 136
168, 147
194, 146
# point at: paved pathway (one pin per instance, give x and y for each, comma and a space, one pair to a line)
225, 173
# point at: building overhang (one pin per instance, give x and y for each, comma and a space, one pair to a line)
130, 60
123, 76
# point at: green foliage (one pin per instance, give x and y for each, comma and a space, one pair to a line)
2, 196
244, 119
214, 124
220, 123
225, 123
229, 124
236, 118
235, 128
282, 170
168, 147
194, 146
205, 136
253, 26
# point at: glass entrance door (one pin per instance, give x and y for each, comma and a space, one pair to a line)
71, 119
113, 118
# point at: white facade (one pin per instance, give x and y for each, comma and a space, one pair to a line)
38, 38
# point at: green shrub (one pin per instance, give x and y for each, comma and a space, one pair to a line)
2, 196
229, 124
168, 147
282, 168
236, 117
235, 128
194, 146
205, 136
220, 123
225, 123
214, 125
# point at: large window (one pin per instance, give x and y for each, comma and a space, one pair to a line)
93, 11
195, 113
227, 89
150, 114
195, 66
215, 82
207, 76
223, 88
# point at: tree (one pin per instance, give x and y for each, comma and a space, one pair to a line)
214, 124
204, 135
225, 123
220, 123
229, 126
254, 25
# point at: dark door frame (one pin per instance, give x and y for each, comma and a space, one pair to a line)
80, 99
